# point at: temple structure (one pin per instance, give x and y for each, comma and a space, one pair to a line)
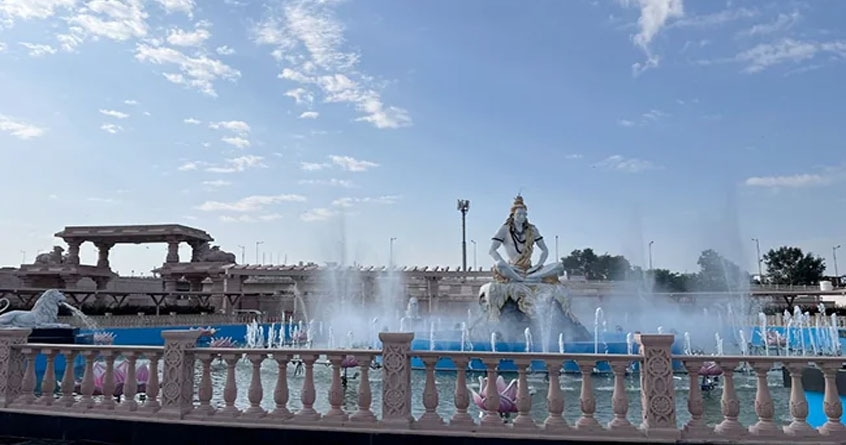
63, 270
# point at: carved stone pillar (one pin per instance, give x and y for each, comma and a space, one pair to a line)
103, 254
172, 251
196, 284
177, 387
657, 388
12, 364
195, 250
396, 379
73, 251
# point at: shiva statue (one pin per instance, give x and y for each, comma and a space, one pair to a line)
519, 237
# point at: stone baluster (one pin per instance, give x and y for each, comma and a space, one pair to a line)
307, 394
108, 401
491, 417
695, 427
205, 392
365, 398
255, 393
657, 388
555, 399
396, 379
48, 381
832, 407
12, 364
73, 251
798, 404
152, 403
68, 379
178, 375
729, 404
130, 385
764, 406
461, 419
336, 412
587, 401
524, 418
27, 396
280, 393
86, 402
430, 418
230, 387
620, 401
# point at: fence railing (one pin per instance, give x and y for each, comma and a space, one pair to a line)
312, 388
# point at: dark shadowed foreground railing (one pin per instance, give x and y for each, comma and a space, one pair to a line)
207, 385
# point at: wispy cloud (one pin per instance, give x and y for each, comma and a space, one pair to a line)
654, 15
238, 164
38, 49
628, 165
351, 164
314, 166
114, 113
309, 115
199, 71
308, 40
250, 203
318, 214
825, 176
217, 183
781, 23
349, 202
193, 38
330, 182
766, 55
191, 121
111, 128
646, 118
20, 129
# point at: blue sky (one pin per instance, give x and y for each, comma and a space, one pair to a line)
312, 125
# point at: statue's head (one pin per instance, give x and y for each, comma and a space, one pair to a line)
58, 249
519, 212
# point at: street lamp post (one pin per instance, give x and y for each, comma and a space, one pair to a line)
834, 255
258, 243
474, 253
463, 207
557, 258
243, 250
391, 253
23, 256
758, 253
650, 254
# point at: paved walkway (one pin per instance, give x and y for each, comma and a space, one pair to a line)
26, 441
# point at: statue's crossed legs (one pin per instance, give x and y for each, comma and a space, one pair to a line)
536, 275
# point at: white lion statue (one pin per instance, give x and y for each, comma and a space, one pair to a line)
44, 314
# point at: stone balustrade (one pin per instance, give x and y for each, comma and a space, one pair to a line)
194, 384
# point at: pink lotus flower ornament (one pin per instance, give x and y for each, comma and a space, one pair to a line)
507, 395
104, 338
349, 362
710, 369
222, 342
142, 376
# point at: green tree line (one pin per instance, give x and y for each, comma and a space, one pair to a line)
784, 265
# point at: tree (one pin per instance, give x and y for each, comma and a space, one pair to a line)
666, 281
597, 267
789, 265
719, 274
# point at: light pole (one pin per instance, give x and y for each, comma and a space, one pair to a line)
557, 258
258, 243
463, 207
23, 256
474, 253
650, 254
758, 253
834, 254
391, 253
243, 250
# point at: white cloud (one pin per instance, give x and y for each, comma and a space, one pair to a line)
224, 50
250, 203
629, 165
31, 9
199, 72
118, 20
20, 129
114, 114
330, 182
781, 23
654, 15
644, 119
2, 47
351, 164
111, 128
318, 214
309, 115
766, 55
195, 38
37, 49
792, 181
130, 102
217, 183
349, 202
309, 41
238, 164
300, 95
239, 127
714, 19
191, 121
236, 141
314, 166
189, 166
183, 6
573, 156
250, 218
625, 123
